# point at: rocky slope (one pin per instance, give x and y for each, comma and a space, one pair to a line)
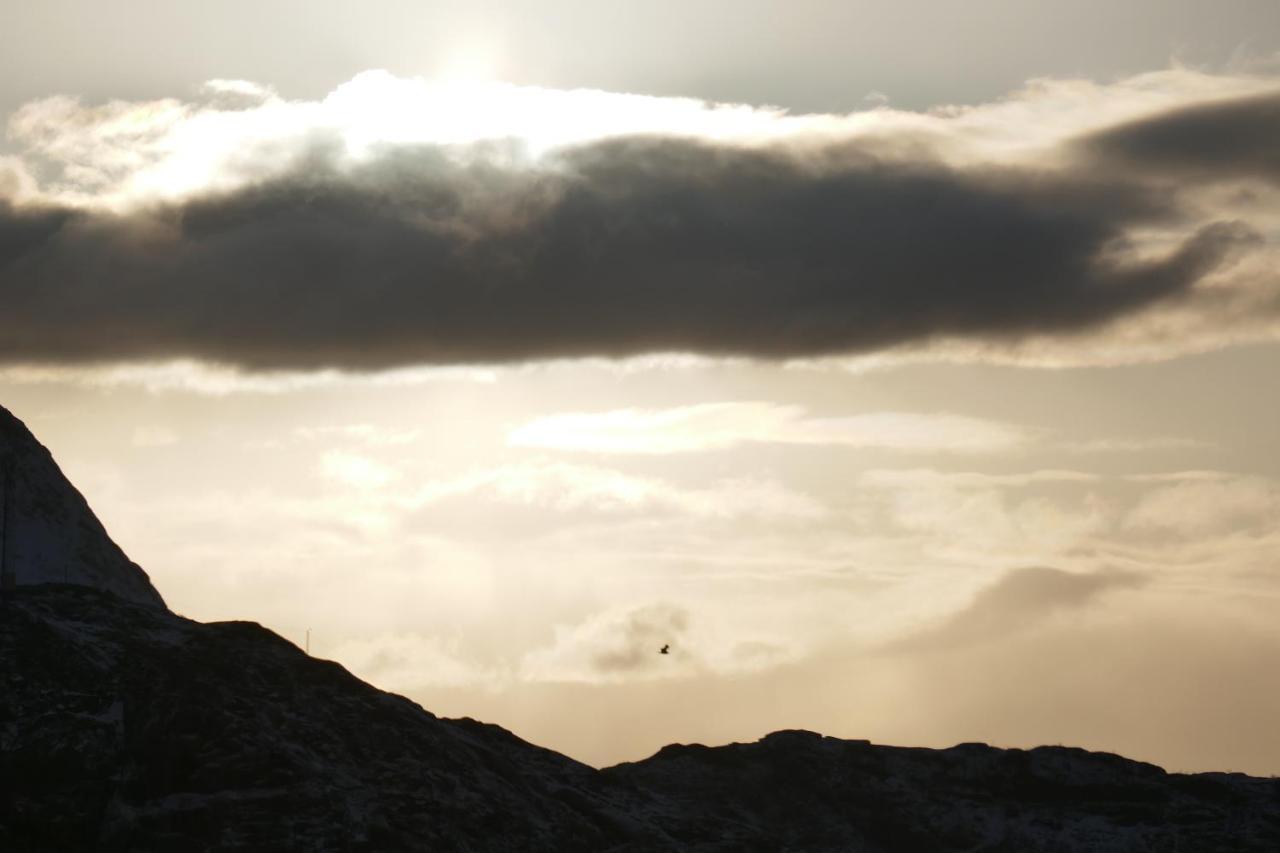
124, 727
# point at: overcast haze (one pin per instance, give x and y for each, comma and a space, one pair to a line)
908, 368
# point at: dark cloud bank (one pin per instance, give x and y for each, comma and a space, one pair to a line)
625, 247
1226, 139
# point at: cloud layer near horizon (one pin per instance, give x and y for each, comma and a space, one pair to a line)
247, 231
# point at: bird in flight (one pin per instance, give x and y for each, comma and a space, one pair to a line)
665, 650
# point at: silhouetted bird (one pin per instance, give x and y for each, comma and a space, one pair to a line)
665, 650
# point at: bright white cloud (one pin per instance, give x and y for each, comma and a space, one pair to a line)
123, 152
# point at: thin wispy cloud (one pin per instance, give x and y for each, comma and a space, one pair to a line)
594, 490
1196, 506
370, 434
719, 426
1137, 445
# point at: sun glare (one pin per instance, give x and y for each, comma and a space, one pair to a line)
470, 62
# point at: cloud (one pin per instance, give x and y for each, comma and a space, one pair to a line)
1225, 138
624, 645
1199, 505
591, 490
971, 515
204, 378
16, 183
639, 246
1137, 445
25, 229
349, 234
1021, 599
370, 434
717, 426
930, 478
1195, 525
616, 644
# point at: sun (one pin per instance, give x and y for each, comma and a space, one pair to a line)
470, 61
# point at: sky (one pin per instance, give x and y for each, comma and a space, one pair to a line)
907, 368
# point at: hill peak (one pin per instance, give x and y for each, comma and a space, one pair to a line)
48, 533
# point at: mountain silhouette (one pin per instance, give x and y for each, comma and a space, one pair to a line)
125, 727
52, 535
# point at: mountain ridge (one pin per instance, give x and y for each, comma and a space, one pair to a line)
127, 727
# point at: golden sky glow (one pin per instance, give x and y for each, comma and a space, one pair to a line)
1033, 531
431, 548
